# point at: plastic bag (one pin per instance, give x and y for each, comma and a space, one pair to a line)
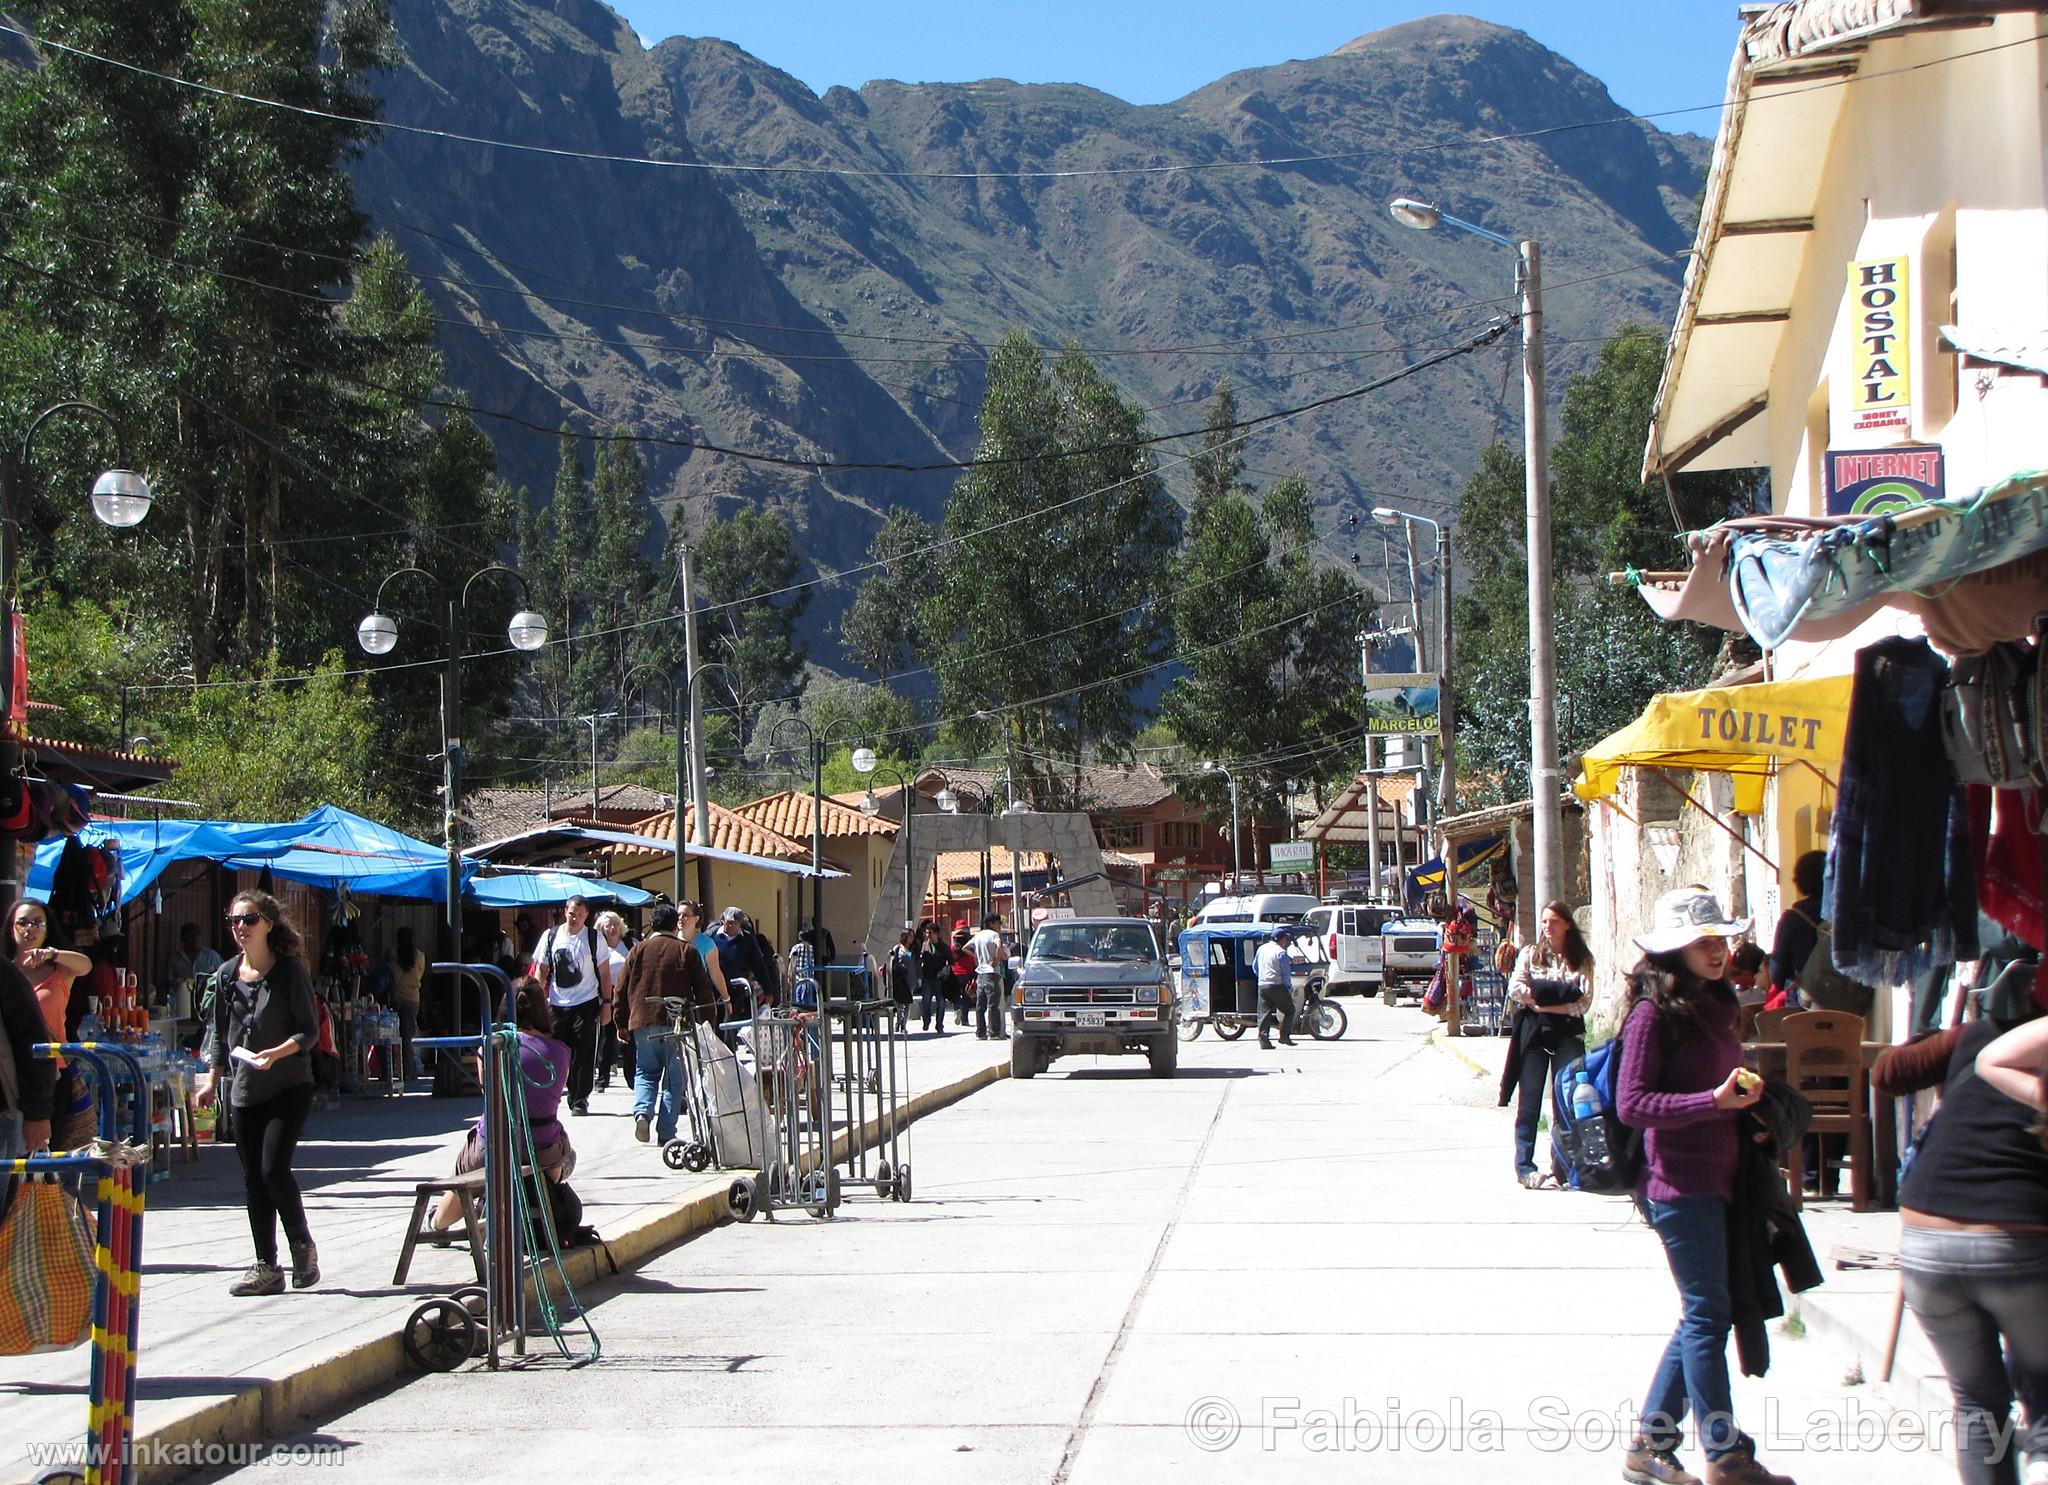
45, 1271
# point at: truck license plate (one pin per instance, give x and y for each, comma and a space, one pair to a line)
1091, 1018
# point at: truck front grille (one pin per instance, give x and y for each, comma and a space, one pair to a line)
1089, 997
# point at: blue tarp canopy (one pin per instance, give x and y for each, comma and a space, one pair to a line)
1472, 854
329, 847
531, 888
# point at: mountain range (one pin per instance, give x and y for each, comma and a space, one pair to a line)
688, 243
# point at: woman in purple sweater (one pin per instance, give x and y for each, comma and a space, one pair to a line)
1679, 1085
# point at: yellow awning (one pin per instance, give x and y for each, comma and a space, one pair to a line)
1745, 731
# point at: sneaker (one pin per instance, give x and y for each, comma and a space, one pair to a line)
305, 1265
1643, 1465
579, 1109
640, 1124
1739, 1467
262, 1278
1533, 1180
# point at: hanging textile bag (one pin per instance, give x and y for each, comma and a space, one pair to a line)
45, 1271
1985, 717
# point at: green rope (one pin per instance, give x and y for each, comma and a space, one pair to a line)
543, 1256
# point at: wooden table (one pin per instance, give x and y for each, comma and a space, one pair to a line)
1768, 1058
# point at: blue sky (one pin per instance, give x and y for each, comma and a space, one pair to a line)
1652, 54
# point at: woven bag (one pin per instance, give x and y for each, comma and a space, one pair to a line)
45, 1271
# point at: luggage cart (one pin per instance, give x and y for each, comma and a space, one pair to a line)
119, 1169
718, 1128
519, 1237
792, 1061
1486, 995
874, 1060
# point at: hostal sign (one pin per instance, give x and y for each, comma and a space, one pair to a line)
1880, 347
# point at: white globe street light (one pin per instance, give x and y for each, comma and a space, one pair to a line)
121, 497
528, 630
377, 634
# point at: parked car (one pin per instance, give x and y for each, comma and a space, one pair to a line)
1372, 946
1263, 907
1093, 985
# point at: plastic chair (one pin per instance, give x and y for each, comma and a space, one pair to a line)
1824, 1061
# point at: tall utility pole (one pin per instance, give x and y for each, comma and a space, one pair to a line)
1372, 817
1446, 712
1545, 779
700, 806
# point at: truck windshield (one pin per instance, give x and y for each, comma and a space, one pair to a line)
1114, 943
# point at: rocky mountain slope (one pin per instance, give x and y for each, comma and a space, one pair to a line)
806, 313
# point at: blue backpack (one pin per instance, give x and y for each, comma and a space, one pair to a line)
1600, 1154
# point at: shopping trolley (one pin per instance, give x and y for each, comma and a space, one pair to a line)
792, 1063
722, 1122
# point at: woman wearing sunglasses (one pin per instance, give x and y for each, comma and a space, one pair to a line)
49, 972
262, 1034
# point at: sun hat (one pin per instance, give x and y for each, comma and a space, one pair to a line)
1686, 916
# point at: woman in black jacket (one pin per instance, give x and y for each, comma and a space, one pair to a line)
933, 957
1551, 987
1973, 1235
261, 1035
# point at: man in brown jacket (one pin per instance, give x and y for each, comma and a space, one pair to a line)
662, 966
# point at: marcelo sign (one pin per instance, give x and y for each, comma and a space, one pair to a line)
1876, 482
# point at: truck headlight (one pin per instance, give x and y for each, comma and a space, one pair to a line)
1147, 995
1034, 995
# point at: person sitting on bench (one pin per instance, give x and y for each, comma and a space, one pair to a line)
544, 1064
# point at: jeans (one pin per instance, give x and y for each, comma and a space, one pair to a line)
576, 1026
408, 1028
266, 1136
1968, 1289
930, 1007
1279, 1006
988, 1007
1694, 1368
1539, 1071
657, 1068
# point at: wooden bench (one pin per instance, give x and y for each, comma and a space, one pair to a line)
466, 1190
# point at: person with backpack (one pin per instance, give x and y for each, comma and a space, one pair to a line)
544, 1063
1973, 1225
902, 977
571, 967
1551, 987
1682, 1083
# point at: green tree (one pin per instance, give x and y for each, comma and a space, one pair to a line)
741, 566
880, 632
1613, 653
1267, 635
1055, 545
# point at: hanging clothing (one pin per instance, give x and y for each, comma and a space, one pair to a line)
2006, 826
1901, 890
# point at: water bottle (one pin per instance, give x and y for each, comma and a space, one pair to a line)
1585, 1099
90, 1029
1589, 1131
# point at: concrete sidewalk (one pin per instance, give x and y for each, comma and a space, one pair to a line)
215, 1369
1852, 1312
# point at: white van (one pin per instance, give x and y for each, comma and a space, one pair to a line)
1263, 907
1373, 945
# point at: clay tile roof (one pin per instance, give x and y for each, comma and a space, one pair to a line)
729, 832
789, 814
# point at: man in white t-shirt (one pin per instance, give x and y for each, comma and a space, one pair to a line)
570, 961
990, 1024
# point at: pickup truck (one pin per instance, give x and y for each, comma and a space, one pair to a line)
1093, 985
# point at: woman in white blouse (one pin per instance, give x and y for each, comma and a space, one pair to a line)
1551, 989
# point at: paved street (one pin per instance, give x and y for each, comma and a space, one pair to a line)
1105, 1278
357, 1166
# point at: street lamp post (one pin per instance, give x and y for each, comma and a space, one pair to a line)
1236, 856
818, 742
120, 497
378, 635
865, 762
1446, 715
1545, 772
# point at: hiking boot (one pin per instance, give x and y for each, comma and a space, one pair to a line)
640, 1124
262, 1278
1739, 1467
1643, 1465
305, 1265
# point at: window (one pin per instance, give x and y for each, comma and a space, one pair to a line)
1180, 835
1119, 835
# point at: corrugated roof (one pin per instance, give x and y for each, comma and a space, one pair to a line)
1104, 786
2016, 350
788, 814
